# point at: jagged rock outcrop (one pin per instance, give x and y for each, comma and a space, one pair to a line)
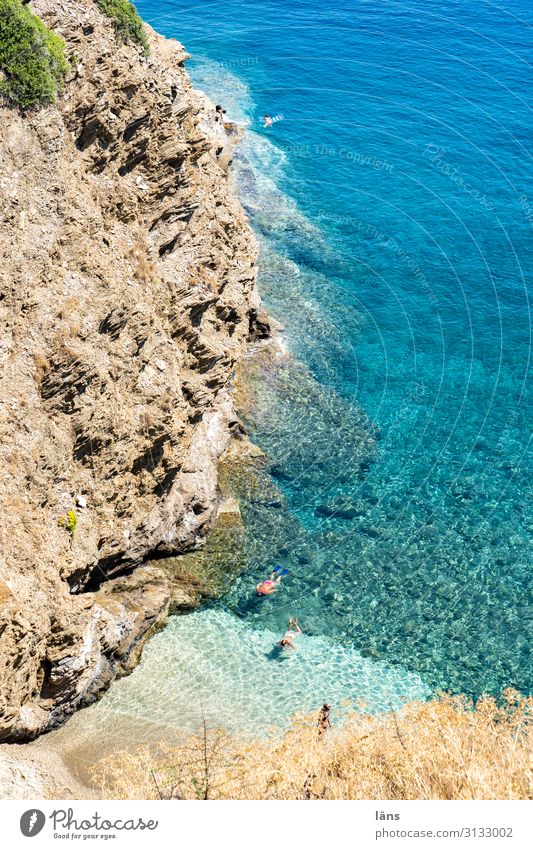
127, 296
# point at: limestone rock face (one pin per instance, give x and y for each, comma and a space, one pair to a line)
127, 296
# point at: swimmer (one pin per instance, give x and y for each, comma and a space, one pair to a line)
271, 584
268, 121
293, 630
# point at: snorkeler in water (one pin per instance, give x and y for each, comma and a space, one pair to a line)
268, 120
271, 584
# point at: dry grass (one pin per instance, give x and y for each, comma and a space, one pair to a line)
42, 365
443, 749
68, 307
144, 269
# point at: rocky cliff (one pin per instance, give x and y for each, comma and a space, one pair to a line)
127, 296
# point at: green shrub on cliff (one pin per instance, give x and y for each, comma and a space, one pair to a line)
69, 522
32, 59
128, 24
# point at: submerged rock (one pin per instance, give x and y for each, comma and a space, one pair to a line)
342, 508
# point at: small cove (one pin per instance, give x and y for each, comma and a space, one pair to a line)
396, 253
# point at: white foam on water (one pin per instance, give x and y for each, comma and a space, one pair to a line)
222, 86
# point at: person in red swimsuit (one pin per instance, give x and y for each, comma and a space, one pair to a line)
270, 585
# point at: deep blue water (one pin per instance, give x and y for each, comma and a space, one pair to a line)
394, 206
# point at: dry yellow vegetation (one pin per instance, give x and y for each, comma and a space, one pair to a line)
442, 749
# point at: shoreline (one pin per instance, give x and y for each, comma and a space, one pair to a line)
129, 404
38, 765
35, 768
41, 768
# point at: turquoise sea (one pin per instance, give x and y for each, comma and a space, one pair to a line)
394, 207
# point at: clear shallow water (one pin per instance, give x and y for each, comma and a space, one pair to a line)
209, 675
394, 206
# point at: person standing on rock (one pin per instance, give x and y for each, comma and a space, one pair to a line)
219, 113
324, 722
